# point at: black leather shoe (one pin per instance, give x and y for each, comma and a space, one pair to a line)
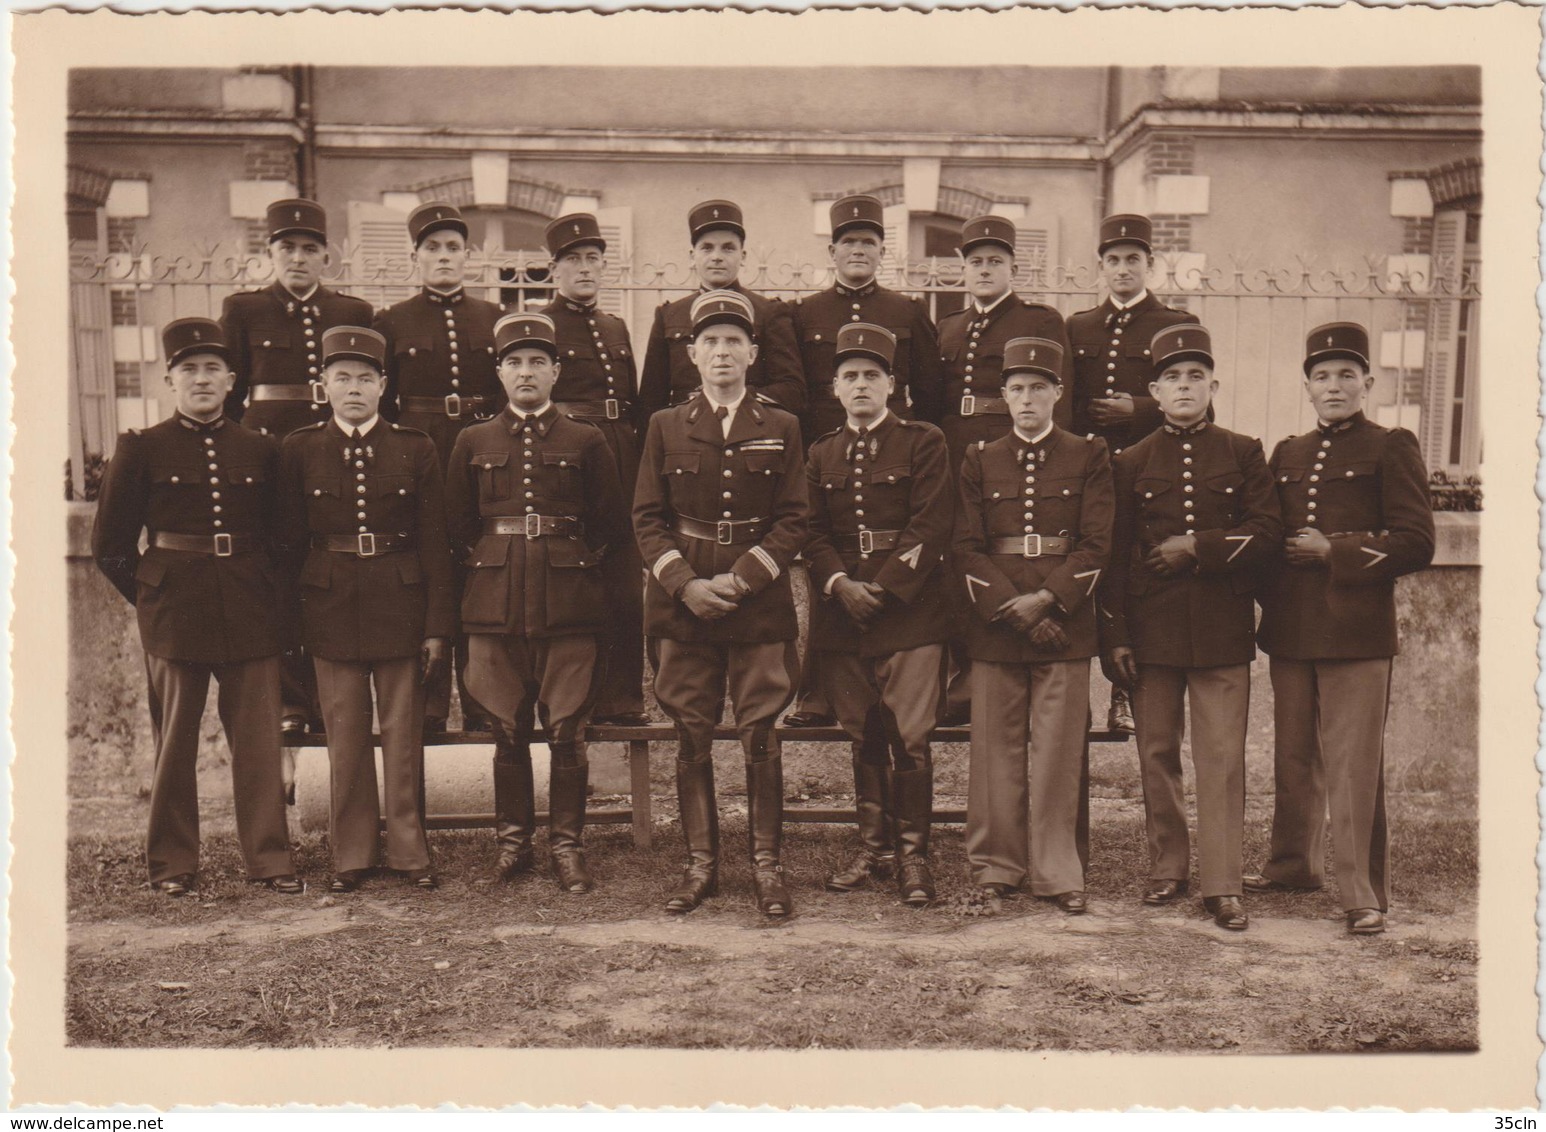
1366, 921
347, 881
181, 885
772, 896
1227, 912
1164, 891
696, 886
1120, 715
289, 884
290, 794
422, 878
623, 719
1257, 883
997, 891
859, 873
916, 884
570, 872
1073, 903
809, 719
292, 726
513, 862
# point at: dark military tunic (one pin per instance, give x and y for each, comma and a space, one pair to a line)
187, 478
920, 382
275, 340
555, 477
387, 485
1363, 486
972, 347
896, 486
670, 378
1111, 355
1059, 488
1210, 483
597, 377
751, 486
440, 346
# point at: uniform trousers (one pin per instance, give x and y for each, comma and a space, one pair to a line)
249, 713
1219, 697
690, 682
558, 677
902, 689
1329, 724
344, 688
1054, 699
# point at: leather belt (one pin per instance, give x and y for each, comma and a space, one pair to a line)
312, 393
1032, 546
867, 542
611, 409
974, 406
726, 532
366, 544
535, 526
452, 405
221, 545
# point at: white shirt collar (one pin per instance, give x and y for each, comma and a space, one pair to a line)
853, 426
1133, 302
980, 309
1038, 438
522, 414
364, 427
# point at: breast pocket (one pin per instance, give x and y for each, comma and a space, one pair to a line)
493, 472
245, 475
178, 476
399, 487
834, 481
1224, 491
562, 475
410, 350
1059, 501
486, 596
679, 464
272, 353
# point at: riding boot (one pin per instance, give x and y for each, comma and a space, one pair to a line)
877, 839
515, 808
566, 820
914, 801
765, 829
700, 828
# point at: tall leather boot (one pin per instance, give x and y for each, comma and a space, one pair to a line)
765, 829
566, 819
515, 808
700, 829
914, 817
877, 837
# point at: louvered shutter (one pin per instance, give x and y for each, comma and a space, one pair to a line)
1036, 253
892, 266
1443, 333
379, 257
615, 297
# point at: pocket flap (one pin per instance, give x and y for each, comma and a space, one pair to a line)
393, 485
490, 550
1065, 488
1358, 468
176, 475
561, 459
765, 462
413, 347
253, 473
275, 339
834, 480
895, 473
323, 485
1229, 483
676, 463
1150, 488
1290, 475
489, 459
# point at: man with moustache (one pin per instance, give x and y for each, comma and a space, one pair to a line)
1112, 366
718, 236
275, 336
363, 523
1032, 537
596, 385
1354, 496
881, 514
720, 513
858, 244
534, 498
440, 378
209, 604
1196, 520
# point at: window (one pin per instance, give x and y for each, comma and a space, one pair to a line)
933, 235
516, 237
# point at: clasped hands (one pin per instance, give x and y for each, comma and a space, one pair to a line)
1031, 614
862, 601
1307, 547
713, 598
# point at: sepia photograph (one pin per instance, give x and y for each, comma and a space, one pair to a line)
916, 556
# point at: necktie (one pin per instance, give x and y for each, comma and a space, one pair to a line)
723, 413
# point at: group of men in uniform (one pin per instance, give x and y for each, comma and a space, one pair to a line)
982, 509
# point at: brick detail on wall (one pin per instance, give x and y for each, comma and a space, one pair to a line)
1172, 233
255, 237
87, 184
1168, 154
126, 379
269, 161
1416, 235
125, 311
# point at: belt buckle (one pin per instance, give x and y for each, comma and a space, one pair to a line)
318, 393
866, 542
613, 409
533, 526
968, 405
724, 532
1027, 552
453, 405
223, 545
365, 545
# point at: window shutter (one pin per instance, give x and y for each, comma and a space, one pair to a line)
617, 230
379, 265
1443, 338
1036, 256
896, 219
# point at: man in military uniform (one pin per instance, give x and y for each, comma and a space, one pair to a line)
720, 514
596, 385
440, 378
1196, 519
275, 337
209, 603
718, 236
363, 524
881, 523
1112, 367
1032, 537
1354, 497
534, 498
858, 243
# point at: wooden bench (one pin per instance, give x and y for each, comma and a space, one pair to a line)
639, 739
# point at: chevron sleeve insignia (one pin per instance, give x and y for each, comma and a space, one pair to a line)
1243, 540
970, 581
1378, 556
1093, 575
912, 555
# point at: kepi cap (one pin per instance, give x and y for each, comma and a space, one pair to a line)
1126, 228
186, 336
340, 342
712, 214
1034, 355
526, 329
866, 340
860, 211
296, 215
432, 216
714, 307
987, 230
571, 231
1181, 343
1336, 340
